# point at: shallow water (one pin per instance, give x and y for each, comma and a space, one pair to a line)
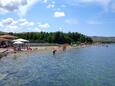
92, 66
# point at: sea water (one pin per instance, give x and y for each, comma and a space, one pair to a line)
91, 66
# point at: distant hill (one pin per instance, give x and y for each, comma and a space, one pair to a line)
103, 39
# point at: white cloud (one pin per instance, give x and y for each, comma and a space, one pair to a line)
113, 7
23, 9
44, 26
75, 2
8, 28
2, 11
59, 14
21, 25
19, 6
53, 2
10, 5
22, 20
93, 22
58, 9
36, 30
45, 1
61, 29
50, 6
1, 25
71, 21
11, 28
63, 5
103, 3
8, 21
25, 23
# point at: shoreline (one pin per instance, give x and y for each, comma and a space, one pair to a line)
6, 51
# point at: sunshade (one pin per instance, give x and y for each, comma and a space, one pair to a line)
18, 42
21, 40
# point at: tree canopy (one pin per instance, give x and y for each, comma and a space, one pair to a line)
54, 37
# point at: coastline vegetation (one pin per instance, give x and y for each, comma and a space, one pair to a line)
54, 37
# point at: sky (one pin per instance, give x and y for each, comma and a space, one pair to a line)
89, 17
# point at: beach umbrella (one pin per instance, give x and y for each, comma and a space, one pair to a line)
21, 40
8, 36
18, 42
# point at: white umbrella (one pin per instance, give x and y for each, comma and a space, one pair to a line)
18, 42
21, 40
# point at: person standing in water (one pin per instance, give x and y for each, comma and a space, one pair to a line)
54, 51
64, 47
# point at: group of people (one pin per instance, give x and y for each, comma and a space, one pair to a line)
21, 47
56, 49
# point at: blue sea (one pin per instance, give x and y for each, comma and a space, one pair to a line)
90, 66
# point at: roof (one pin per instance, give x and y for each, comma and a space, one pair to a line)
8, 36
3, 39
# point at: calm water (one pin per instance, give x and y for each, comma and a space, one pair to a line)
92, 66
